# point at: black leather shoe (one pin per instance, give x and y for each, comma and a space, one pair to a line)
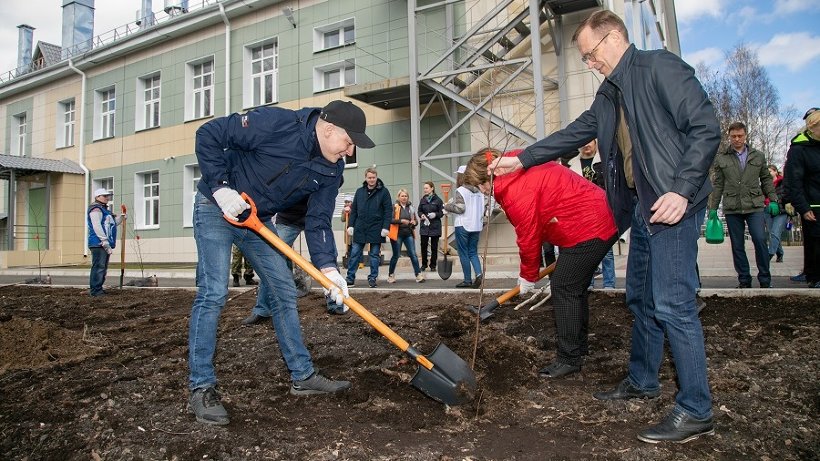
254, 319
250, 281
477, 281
624, 391
464, 285
235, 280
558, 370
779, 259
677, 427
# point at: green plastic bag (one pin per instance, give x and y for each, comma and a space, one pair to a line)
714, 229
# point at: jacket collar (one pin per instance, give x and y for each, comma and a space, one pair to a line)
619, 73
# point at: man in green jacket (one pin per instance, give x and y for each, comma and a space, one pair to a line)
742, 180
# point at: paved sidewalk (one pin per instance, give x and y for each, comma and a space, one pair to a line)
715, 264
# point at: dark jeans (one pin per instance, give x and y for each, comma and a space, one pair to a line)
661, 286
433, 251
356, 251
99, 266
736, 223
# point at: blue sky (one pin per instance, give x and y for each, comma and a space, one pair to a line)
784, 33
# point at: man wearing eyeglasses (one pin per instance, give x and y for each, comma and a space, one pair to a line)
657, 134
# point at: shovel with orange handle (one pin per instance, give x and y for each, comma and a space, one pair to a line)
443, 375
486, 311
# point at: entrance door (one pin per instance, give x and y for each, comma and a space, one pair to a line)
36, 231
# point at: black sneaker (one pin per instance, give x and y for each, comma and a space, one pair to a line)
350, 283
235, 280
779, 259
206, 405
477, 281
465, 285
677, 427
254, 319
318, 384
250, 281
372, 283
558, 370
801, 277
625, 391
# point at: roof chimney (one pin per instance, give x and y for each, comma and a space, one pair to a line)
78, 26
25, 41
145, 16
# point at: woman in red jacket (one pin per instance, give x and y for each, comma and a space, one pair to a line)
551, 203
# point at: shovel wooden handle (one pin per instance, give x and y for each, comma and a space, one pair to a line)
253, 223
514, 292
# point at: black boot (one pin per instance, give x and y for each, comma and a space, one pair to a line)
250, 281
236, 280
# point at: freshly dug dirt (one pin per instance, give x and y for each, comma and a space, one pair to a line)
107, 380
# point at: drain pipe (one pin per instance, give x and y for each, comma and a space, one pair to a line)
227, 59
86, 174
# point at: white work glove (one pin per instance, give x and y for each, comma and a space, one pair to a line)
525, 286
431, 215
107, 248
338, 292
385, 232
123, 216
349, 231
230, 202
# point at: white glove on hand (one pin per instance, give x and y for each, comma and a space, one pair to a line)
349, 231
107, 248
385, 232
525, 286
431, 215
338, 292
230, 202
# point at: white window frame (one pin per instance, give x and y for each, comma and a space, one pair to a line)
149, 93
190, 179
105, 112
198, 91
147, 205
344, 33
346, 71
107, 184
20, 135
251, 82
66, 121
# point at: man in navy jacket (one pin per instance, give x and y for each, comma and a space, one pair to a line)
278, 157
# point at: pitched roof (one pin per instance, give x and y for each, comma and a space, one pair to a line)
32, 165
49, 52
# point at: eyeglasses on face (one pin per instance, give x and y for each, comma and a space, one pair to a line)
586, 57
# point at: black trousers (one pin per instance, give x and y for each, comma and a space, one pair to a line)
433, 253
811, 250
570, 297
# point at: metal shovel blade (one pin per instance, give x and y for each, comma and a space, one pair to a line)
450, 381
445, 268
486, 311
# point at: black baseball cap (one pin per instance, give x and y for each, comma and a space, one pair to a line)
350, 118
809, 112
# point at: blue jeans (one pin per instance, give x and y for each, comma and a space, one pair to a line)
467, 245
776, 225
214, 237
356, 250
736, 223
99, 267
288, 235
607, 270
661, 284
410, 243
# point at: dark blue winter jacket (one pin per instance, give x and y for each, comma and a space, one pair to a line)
370, 212
273, 155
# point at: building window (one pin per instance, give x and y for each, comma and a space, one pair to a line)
335, 75
191, 177
107, 184
199, 79
261, 71
334, 35
147, 199
148, 95
66, 113
105, 103
19, 135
